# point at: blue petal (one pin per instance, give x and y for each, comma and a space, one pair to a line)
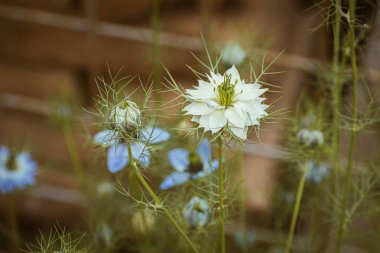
117, 158
204, 151
208, 168
4, 154
176, 178
141, 154
154, 135
179, 159
105, 137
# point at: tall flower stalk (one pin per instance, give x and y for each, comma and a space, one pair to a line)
354, 73
221, 196
337, 90
73, 151
296, 209
13, 226
157, 199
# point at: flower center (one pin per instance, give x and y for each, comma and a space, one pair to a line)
195, 163
11, 163
226, 91
123, 104
197, 207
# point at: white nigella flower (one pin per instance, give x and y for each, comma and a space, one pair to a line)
310, 138
233, 54
226, 102
104, 188
125, 116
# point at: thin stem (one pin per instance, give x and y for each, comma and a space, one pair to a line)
74, 156
337, 90
13, 226
158, 201
347, 182
156, 59
221, 197
296, 209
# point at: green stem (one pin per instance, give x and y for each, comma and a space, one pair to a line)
337, 92
13, 226
156, 59
74, 156
347, 182
296, 209
158, 201
221, 197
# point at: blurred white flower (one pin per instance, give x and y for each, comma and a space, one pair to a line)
310, 138
143, 221
225, 102
233, 54
125, 116
104, 188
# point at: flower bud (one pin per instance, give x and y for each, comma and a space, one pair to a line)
125, 116
196, 212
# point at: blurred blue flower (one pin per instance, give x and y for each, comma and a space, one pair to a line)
239, 238
233, 54
17, 171
118, 156
189, 165
106, 235
310, 138
316, 172
196, 212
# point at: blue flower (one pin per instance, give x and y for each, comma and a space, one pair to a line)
189, 165
196, 212
250, 238
310, 138
118, 156
106, 235
17, 171
316, 172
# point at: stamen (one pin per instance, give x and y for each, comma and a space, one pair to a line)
11, 162
226, 91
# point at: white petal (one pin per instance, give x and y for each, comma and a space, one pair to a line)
196, 118
235, 77
198, 108
234, 117
205, 85
215, 79
201, 93
217, 121
204, 122
247, 93
239, 132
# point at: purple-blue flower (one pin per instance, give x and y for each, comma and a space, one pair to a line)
118, 155
189, 165
17, 171
316, 172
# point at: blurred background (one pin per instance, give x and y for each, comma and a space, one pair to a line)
57, 48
